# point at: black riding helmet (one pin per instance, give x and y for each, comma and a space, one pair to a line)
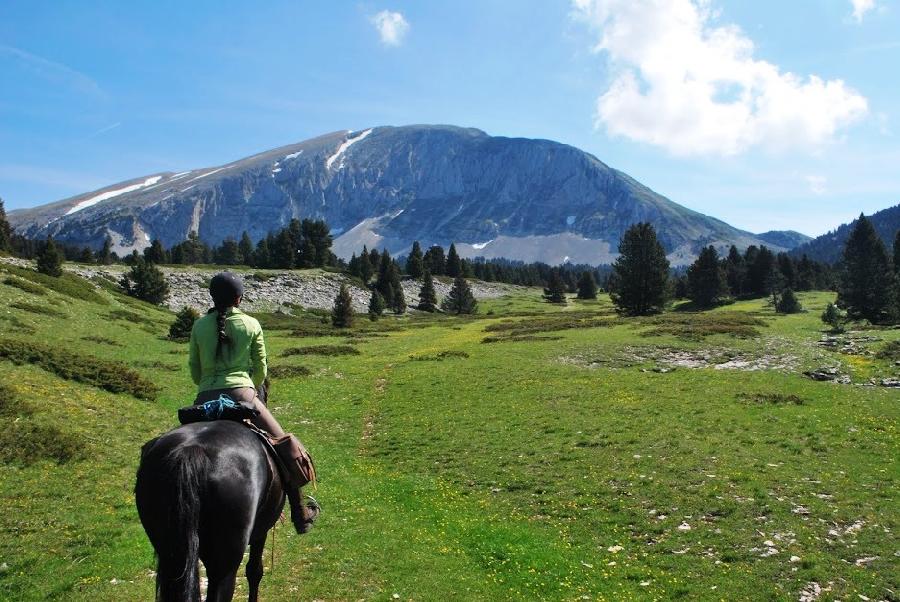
224, 288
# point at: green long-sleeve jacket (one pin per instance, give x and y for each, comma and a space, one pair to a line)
240, 364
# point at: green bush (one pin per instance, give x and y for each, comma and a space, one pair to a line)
146, 282
788, 303
69, 285
321, 350
289, 371
180, 330
37, 309
24, 285
111, 376
32, 441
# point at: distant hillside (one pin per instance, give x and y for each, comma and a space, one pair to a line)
533, 200
788, 239
829, 247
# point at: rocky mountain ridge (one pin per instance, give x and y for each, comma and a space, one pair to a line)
533, 200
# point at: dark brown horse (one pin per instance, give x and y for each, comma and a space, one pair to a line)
204, 492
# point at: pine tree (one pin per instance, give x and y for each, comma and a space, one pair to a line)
398, 302
155, 253
414, 265
834, 317
896, 253
104, 257
556, 288
788, 303
376, 306
868, 285
283, 252
806, 274
246, 249
735, 271
86, 255
587, 286
641, 272
707, 284
460, 300
454, 267
383, 283
261, 256
180, 330
427, 294
5, 231
49, 259
434, 260
145, 281
365, 266
342, 312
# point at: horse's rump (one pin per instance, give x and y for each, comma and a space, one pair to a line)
203, 491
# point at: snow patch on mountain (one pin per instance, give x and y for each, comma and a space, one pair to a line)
103, 196
343, 148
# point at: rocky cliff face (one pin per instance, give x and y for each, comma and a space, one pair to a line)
388, 186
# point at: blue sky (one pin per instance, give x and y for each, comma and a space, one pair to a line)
768, 115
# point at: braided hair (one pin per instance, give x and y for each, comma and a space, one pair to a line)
225, 288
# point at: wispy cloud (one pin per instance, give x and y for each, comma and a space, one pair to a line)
861, 7
102, 131
52, 71
392, 27
683, 82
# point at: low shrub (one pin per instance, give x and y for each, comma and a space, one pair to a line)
321, 350
694, 326
439, 357
519, 338
569, 321
111, 376
890, 351
24, 285
31, 441
130, 316
102, 341
37, 309
180, 330
770, 398
289, 371
69, 285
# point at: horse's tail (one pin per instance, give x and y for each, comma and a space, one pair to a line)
177, 576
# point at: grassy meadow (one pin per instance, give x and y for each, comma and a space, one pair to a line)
532, 452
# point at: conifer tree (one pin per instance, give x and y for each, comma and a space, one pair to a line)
454, 267
788, 303
49, 259
261, 256
806, 274
365, 266
283, 253
342, 312
427, 294
398, 301
383, 283
641, 272
834, 318
587, 286
376, 305
86, 256
555, 292
434, 260
374, 260
707, 283
5, 231
896, 253
735, 271
460, 300
145, 281
156, 253
414, 265
868, 286
245, 247
104, 257
180, 329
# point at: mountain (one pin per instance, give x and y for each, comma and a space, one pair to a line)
787, 239
534, 200
830, 246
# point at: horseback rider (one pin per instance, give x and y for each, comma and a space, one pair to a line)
228, 356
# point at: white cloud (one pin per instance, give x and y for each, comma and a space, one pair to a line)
861, 7
51, 70
690, 86
818, 185
391, 26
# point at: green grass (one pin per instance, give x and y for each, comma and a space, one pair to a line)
552, 466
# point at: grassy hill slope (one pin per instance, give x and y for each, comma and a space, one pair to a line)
559, 460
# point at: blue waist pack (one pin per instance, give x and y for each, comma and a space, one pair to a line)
223, 408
